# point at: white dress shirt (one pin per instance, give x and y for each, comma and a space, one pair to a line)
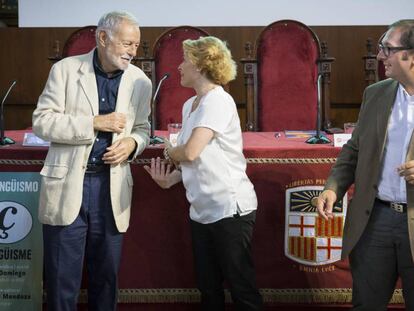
400, 126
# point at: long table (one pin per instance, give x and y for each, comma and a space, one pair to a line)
157, 265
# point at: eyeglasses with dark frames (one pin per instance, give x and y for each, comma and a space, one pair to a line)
388, 50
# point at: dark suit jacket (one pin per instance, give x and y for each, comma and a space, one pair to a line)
360, 162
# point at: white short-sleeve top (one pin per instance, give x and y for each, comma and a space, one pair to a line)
216, 182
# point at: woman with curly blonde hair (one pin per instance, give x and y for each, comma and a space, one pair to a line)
210, 163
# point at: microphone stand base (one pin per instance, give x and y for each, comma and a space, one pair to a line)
318, 139
6, 141
155, 140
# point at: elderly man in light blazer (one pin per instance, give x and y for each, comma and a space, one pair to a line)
379, 159
94, 111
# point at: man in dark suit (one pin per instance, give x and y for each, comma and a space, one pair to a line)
379, 159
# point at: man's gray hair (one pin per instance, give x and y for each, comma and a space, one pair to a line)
110, 22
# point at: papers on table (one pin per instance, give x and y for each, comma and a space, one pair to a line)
301, 134
31, 140
341, 139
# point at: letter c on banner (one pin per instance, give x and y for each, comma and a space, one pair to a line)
15, 222
3, 228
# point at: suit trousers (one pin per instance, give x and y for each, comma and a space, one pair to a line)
382, 255
222, 251
93, 235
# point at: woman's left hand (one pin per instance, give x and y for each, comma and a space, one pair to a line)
162, 174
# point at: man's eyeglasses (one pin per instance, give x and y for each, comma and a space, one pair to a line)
388, 50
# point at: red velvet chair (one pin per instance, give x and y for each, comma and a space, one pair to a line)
282, 82
80, 42
168, 55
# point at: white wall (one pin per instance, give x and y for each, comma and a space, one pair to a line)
77, 13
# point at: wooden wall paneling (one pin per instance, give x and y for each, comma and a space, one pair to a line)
24, 53
23, 57
18, 116
345, 113
348, 45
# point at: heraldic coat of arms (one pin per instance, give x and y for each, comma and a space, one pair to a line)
310, 239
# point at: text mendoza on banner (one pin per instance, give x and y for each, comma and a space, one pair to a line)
21, 250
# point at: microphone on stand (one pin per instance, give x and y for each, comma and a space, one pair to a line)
155, 139
5, 140
319, 138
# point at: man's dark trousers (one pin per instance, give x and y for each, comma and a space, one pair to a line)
92, 235
381, 255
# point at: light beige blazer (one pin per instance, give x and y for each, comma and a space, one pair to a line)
64, 116
360, 162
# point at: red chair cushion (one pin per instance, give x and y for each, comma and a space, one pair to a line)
168, 55
287, 53
80, 42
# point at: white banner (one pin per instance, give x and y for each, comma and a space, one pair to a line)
157, 13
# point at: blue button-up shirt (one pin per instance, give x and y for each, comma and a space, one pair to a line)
108, 86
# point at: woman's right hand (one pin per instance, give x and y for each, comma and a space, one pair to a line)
162, 174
